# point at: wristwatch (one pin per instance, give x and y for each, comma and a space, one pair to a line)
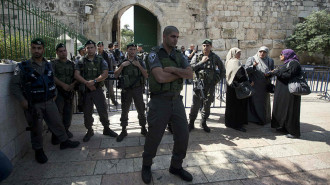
95, 81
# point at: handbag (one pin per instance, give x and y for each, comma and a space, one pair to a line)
298, 85
243, 90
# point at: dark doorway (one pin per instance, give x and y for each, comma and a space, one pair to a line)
145, 28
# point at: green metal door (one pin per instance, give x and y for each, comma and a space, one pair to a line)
145, 28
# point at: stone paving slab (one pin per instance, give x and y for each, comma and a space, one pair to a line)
227, 171
223, 157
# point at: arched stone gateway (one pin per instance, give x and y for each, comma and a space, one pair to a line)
247, 24
111, 18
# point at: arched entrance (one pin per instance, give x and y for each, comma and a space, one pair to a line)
148, 26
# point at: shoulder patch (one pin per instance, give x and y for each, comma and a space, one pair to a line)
152, 57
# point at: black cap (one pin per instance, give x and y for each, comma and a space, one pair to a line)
38, 41
60, 45
100, 42
130, 45
90, 42
207, 41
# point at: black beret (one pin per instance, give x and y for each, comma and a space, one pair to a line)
38, 41
90, 42
60, 45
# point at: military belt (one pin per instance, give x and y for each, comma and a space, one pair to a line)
169, 98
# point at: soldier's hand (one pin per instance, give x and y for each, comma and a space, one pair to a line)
66, 87
25, 104
136, 63
205, 58
169, 69
126, 63
71, 87
90, 83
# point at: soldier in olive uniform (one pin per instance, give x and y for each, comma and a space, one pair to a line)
91, 71
167, 68
65, 83
34, 86
133, 73
108, 83
210, 70
140, 52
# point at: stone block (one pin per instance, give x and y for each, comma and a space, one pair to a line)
229, 171
214, 33
219, 44
228, 33
275, 53
249, 44
251, 34
308, 3
278, 44
90, 180
240, 33
268, 43
277, 151
277, 34
230, 43
304, 14
199, 25
309, 162
123, 179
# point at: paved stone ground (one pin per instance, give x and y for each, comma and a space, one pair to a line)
224, 156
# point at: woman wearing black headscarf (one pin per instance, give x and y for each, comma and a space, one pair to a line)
286, 106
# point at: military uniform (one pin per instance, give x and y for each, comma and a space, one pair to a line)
35, 83
210, 72
90, 70
132, 90
165, 105
64, 71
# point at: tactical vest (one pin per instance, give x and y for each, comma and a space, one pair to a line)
175, 86
64, 71
37, 87
91, 70
208, 72
132, 76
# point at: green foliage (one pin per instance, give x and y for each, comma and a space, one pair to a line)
126, 36
13, 47
312, 36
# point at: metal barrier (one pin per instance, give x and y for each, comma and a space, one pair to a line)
187, 93
21, 21
317, 76
318, 79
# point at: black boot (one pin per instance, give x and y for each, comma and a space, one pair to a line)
109, 132
40, 156
144, 131
191, 125
183, 174
146, 174
204, 126
89, 134
122, 135
69, 144
55, 141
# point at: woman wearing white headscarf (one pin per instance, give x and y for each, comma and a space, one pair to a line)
257, 67
236, 109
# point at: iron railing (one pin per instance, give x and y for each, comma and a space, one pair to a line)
22, 21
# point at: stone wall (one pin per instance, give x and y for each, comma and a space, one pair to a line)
247, 24
14, 140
